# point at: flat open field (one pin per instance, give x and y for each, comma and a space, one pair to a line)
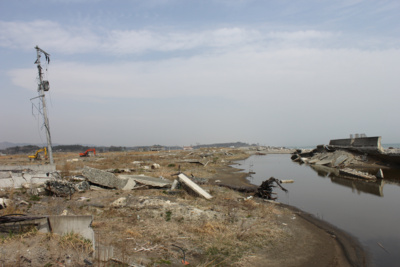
154, 226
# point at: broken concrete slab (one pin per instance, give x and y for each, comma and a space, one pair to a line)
313, 161
129, 185
339, 160
36, 168
17, 180
357, 174
147, 180
193, 186
106, 179
16, 176
5, 175
324, 162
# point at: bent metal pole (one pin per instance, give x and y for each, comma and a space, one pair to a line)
43, 99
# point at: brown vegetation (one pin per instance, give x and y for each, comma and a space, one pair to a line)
155, 227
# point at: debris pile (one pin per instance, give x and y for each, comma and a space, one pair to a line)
338, 162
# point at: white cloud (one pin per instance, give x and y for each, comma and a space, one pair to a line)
25, 35
71, 39
289, 75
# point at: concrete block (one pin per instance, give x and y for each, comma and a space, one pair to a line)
130, 184
193, 186
146, 180
104, 178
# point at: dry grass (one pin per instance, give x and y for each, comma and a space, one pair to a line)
76, 242
11, 208
227, 230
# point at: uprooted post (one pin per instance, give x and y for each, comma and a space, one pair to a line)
265, 189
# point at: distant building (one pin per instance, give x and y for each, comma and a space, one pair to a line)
157, 148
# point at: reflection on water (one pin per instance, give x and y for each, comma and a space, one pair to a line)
324, 171
357, 185
374, 188
368, 210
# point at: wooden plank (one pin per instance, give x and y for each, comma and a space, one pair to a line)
197, 189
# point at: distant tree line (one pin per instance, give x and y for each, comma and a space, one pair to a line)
236, 144
30, 149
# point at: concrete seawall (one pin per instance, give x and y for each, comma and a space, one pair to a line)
361, 143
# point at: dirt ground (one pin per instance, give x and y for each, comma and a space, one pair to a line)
156, 227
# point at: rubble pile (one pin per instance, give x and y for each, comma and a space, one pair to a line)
338, 162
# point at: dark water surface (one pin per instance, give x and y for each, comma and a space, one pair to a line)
370, 211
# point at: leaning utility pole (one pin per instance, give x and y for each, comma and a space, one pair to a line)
43, 86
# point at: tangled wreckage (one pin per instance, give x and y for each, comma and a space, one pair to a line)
348, 157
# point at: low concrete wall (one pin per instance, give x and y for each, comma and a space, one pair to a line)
362, 143
80, 224
341, 142
368, 142
39, 168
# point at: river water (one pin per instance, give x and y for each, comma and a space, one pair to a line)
368, 211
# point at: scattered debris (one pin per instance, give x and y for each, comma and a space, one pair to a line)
61, 188
4, 202
12, 218
379, 244
107, 179
337, 162
155, 166
184, 262
121, 202
357, 174
193, 161
193, 186
147, 180
37, 191
379, 174
265, 189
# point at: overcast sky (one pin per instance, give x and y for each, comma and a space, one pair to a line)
182, 72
